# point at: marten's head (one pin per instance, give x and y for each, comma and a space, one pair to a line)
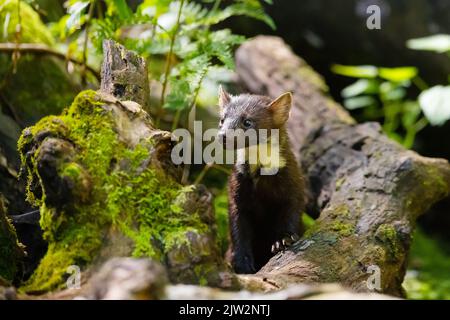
246, 112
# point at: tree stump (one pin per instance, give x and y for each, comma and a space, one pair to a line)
104, 182
367, 190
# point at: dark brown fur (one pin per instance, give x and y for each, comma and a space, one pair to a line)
263, 209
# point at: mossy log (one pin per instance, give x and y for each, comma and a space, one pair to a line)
105, 184
367, 190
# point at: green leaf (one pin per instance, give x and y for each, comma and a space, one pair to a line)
359, 102
249, 8
435, 104
439, 43
395, 136
392, 91
193, 13
6, 25
397, 74
154, 8
221, 45
364, 71
75, 12
122, 9
411, 112
359, 87
179, 95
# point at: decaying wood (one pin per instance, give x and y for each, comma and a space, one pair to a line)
368, 189
124, 74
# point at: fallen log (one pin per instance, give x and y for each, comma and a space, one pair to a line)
144, 279
367, 190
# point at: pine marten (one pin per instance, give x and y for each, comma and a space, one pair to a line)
264, 210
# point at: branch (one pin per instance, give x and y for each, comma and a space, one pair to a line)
40, 49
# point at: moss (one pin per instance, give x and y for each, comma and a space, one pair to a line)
343, 229
202, 272
338, 224
145, 205
387, 234
308, 73
339, 183
437, 180
341, 211
77, 247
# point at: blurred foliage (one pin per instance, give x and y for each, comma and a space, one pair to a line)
24, 96
221, 212
188, 53
428, 275
384, 94
438, 43
14, 13
183, 42
184, 32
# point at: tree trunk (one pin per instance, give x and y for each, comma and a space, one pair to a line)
368, 189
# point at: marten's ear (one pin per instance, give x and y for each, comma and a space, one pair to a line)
224, 97
280, 108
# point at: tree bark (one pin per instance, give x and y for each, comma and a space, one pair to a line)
368, 189
124, 74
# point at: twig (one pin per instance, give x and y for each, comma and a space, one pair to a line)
187, 167
203, 173
206, 169
35, 48
168, 62
176, 119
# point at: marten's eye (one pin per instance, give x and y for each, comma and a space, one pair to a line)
247, 123
221, 121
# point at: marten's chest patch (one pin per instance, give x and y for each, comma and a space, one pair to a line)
261, 159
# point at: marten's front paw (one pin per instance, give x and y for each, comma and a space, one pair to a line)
281, 245
244, 265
